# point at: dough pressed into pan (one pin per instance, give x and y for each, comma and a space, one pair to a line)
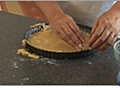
46, 39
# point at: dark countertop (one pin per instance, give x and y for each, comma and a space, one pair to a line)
98, 69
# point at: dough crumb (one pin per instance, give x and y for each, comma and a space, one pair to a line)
28, 54
24, 42
89, 62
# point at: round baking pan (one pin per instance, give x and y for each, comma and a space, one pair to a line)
56, 55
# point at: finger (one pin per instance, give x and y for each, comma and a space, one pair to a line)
72, 35
68, 40
94, 27
109, 42
99, 30
76, 30
101, 38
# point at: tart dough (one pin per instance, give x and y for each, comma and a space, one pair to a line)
26, 53
46, 40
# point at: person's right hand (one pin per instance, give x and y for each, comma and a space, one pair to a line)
66, 29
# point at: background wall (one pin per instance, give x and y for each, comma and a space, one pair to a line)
24, 8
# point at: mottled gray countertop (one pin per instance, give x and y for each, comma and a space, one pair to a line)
98, 69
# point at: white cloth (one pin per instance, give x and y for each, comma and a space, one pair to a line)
85, 12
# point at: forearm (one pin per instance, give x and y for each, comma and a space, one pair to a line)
50, 9
116, 6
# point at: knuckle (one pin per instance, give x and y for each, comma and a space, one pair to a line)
60, 35
56, 28
75, 40
67, 31
111, 26
71, 43
116, 31
105, 21
109, 42
102, 21
96, 35
69, 17
60, 22
70, 34
101, 40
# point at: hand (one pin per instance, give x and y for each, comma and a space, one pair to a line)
105, 30
65, 28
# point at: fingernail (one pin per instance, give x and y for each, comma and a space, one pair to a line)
89, 48
80, 46
78, 49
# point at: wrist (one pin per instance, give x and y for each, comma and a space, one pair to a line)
116, 7
55, 17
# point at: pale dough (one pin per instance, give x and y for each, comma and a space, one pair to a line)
47, 40
28, 54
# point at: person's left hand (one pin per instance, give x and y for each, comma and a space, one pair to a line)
105, 30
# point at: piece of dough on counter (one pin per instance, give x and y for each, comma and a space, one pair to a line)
26, 53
